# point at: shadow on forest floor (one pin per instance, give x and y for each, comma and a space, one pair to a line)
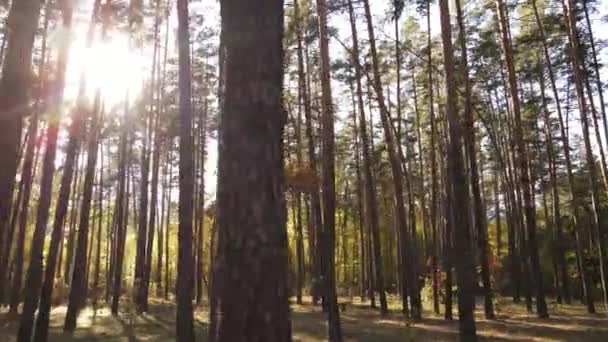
359, 322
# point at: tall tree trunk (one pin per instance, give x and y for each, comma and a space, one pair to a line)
142, 219
328, 181
397, 172
201, 202
121, 212
22, 23
185, 267
407, 167
434, 180
421, 192
596, 69
23, 203
96, 288
480, 222
251, 275
35, 270
559, 250
76, 155
596, 129
168, 227
298, 135
448, 229
577, 69
167, 161
370, 192
77, 297
27, 173
465, 272
153, 207
3, 46
359, 192
314, 224
522, 163
497, 215
76, 134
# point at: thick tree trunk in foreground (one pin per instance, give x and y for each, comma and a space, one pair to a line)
465, 271
22, 23
35, 270
328, 172
250, 280
22, 203
185, 260
470, 140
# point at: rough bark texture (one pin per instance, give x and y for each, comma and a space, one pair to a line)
481, 227
185, 260
465, 271
328, 172
35, 270
250, 281
22, 23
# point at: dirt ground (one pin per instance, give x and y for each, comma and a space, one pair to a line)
359, 322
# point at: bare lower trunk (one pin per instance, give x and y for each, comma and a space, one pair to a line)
185, 267
465, 275
250, 279
22, 23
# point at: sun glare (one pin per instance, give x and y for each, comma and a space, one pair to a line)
113, 66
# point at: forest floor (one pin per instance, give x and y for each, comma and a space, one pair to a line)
359, 322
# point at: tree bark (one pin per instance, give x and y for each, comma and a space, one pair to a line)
185, 267
465, 271
577, 69
21, 27
35, 270
397, 172
301, 91
121, 209
470, 139
250, 280
22, 23
327, 240
523, 164
78, 289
